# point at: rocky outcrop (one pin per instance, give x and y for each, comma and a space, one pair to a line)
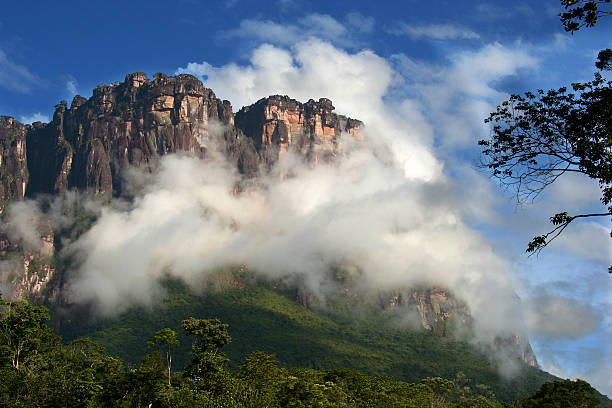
13, 161
517, 345
88, 145
438, 310
435, 307
131, 123
278, 124
25, 273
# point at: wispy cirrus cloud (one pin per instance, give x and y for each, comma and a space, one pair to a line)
318, 25
432, 31
15, 77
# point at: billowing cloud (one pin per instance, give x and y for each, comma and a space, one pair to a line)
433, 31
24, 225
356, 83
360, 213
15, 77
385, 210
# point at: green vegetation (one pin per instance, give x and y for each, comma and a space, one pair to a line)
38, 370
260, 319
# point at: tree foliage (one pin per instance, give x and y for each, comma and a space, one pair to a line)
540, 136
210, 336
581, 13
22, 329
82, 374
563, 393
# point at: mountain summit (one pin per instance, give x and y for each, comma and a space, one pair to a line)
89, 146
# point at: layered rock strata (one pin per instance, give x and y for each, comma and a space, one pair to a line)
278, 124
132, 123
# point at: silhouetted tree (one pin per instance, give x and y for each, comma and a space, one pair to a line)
539, 137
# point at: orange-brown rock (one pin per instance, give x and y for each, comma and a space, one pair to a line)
130, 123
279, 123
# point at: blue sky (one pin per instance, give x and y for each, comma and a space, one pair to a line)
441, 67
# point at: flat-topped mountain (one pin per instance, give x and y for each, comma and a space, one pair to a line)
88, 145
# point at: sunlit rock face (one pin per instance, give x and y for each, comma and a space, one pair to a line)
13, 161
88, 145
278, 123
132, 123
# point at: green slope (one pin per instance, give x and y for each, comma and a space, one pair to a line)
262, 319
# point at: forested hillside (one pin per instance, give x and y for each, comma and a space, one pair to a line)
38, 370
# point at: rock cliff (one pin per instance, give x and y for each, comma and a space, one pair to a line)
131, 123
13, 161
88, 145
278, 123
438, 309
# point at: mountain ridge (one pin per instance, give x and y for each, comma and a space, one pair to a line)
86, 147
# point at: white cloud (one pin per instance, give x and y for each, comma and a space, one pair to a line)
317, 25
589, 239
315, 69
71, 86
24, 224
433, 31
458, 96
35, 117
561, 40
15, 77
359, 213
359, 22
397, 219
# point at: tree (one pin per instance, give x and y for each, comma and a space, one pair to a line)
22, 329
582, 13
166, 339
262, 379
563, 393
211, 335
538, 137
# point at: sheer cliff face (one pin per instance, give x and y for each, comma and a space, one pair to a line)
278, 124
125, 124
13, 161
88, 145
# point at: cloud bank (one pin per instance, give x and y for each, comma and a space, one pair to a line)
385, 210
